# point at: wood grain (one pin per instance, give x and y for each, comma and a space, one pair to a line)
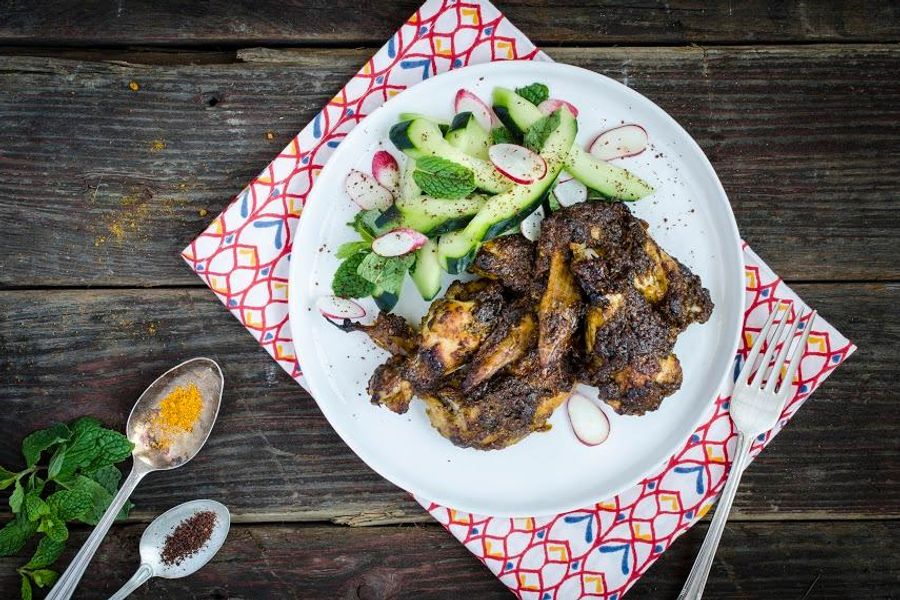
168, 22
804, 139
273, 456
755, 560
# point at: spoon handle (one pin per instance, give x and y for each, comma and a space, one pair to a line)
139, 578
67, 583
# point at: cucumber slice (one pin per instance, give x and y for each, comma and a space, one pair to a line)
518, 114
457, 250
434, 216
410, 116
418, 138
468, 135
426, 273
609, 180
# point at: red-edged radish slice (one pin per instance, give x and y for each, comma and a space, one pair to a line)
466, 101
570, 191
517, 162
398, 242
366, 192
619, 142
335, 307
588, 420
550, 106
386, 170
531, 226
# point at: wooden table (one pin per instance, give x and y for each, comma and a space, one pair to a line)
796, 103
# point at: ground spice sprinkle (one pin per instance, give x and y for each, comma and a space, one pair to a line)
178, 412
188, 537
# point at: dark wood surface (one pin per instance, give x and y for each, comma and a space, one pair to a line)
797, 105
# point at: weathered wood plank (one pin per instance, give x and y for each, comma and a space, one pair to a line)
342, 22
273, 456
756, 560
107, 184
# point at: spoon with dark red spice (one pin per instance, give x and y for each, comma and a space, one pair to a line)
179, 542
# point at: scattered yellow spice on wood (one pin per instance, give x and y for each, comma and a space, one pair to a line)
178, 412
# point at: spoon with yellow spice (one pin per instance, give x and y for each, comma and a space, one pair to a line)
168, 425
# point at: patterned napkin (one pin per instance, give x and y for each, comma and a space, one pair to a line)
597, 551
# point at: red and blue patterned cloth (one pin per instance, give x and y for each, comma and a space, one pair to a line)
599, 551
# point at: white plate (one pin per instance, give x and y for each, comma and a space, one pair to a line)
549, 472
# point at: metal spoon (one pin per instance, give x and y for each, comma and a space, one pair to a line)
154, 539
207, 375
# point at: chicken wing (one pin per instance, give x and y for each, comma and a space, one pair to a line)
513, 336
508, 259
559, 310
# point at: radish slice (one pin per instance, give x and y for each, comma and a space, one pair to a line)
550, 106
589, 422
570, 191
531, 226
619, 142
335, 307
517, 162
398, 242
386, 170
466, 101
365, 191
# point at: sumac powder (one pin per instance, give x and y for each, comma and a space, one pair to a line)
188, 537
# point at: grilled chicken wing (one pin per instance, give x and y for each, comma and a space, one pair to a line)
453, 329
513, 336
389, 332
559, 310
508, 259
388, 388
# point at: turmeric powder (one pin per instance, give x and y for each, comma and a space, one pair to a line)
178, 412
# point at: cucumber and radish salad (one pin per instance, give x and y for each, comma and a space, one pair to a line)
448, 186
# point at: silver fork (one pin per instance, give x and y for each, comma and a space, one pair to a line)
755, 408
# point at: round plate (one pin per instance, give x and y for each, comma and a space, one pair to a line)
549, 472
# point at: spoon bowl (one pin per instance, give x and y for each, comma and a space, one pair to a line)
154, 540
207, 376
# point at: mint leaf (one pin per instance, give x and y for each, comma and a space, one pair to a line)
7, 478
46, 553
108, 477
44, 577
534, 93
35, 507
56, 462
92, 447
363, 223
71, 504
43, 439
442, 178
386, 273
348, 249
347, 283
17, 497
26, 588
15, 534
537, 134
54, 527
502, 135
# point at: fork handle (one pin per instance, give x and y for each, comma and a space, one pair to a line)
696, 581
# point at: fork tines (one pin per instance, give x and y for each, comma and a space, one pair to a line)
770, 372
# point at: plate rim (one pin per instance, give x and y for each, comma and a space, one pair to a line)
295, 309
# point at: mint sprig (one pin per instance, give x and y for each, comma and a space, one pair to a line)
69, 476
537, 134
386, 273
442, 178
534, 93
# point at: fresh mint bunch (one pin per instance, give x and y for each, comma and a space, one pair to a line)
534, 93
70, 475
442, 178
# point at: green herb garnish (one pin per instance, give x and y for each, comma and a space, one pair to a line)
502, 135
386, 273
69, 476
537, 134
534, 93
442, 178
347, 283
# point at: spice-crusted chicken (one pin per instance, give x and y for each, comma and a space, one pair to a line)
595, 300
